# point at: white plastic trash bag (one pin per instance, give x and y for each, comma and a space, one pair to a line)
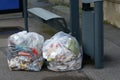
25, 51
62, 52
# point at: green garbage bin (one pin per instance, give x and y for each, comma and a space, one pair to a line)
92, 30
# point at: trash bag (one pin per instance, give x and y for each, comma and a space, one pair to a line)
62, 52
25, 51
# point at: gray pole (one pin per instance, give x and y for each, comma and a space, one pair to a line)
25, 14
99, 39
74, 19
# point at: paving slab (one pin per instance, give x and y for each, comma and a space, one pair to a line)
110, 71
44, 74
111, 68
36, 26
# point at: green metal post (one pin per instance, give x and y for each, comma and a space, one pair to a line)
99, 39
25, 14
74, 19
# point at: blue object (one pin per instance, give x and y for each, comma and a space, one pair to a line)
9, 4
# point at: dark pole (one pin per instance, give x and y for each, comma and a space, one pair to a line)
25, 14
99, 38
74, 19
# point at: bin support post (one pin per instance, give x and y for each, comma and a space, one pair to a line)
74, 19
99, 39
25, 14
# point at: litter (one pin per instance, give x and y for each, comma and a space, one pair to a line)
62, 52
25, 51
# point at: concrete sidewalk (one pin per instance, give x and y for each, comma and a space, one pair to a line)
111, 68
36, 26
110, 71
